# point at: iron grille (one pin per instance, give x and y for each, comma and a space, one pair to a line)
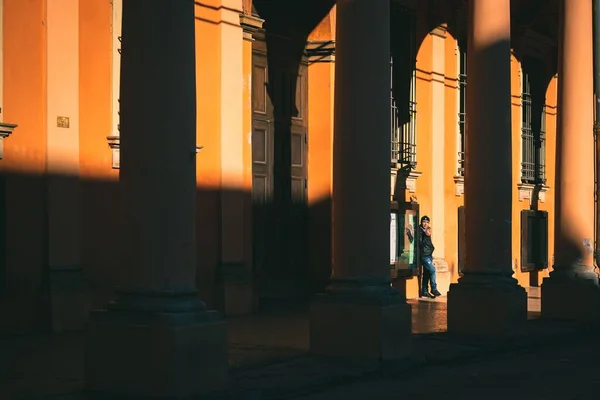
403, 82
404, 147
462, 106
533, 137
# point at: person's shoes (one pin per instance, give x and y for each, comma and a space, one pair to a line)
426, 294
436, 293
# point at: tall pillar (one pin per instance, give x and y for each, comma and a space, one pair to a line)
572, 290
487, 299
156, 339
360, 299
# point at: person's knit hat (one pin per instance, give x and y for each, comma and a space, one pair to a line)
425, 218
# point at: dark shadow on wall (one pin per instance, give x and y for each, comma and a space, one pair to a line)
29, 288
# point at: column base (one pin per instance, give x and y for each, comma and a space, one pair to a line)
237, 287
156, 355
486, 305
70, 300
363, 327
571, 298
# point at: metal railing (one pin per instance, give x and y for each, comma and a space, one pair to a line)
403, 135
533, 139
462, 108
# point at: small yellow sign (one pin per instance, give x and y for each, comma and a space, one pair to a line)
62, 122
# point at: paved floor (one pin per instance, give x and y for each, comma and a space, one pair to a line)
563, 373
267, 354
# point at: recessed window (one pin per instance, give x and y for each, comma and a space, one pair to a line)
533, 124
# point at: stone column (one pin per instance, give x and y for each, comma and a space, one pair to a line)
572, 290
156, 339
361, 315
487, 299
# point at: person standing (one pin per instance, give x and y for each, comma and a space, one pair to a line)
426, 249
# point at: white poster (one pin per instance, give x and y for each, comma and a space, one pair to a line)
393, 238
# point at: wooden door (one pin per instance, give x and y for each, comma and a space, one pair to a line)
297, 245
279, 173
262, 158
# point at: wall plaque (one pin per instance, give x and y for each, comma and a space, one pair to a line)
62, 122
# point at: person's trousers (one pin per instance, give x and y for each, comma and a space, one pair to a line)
429, 274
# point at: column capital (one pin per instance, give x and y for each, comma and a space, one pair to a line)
5, 131
250, 24
320, 51
440, 30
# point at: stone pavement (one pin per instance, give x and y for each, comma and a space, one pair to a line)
566, 371
268, 356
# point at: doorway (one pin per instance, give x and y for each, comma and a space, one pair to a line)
279, 170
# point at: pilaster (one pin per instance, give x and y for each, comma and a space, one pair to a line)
320, 54
5, 131
235, 268
69, 295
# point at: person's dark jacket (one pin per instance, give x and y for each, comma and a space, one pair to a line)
426, 247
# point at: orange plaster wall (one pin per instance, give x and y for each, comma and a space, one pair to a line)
24, 162
320, 126
25, 85
95, 89
424, 134
320, 117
